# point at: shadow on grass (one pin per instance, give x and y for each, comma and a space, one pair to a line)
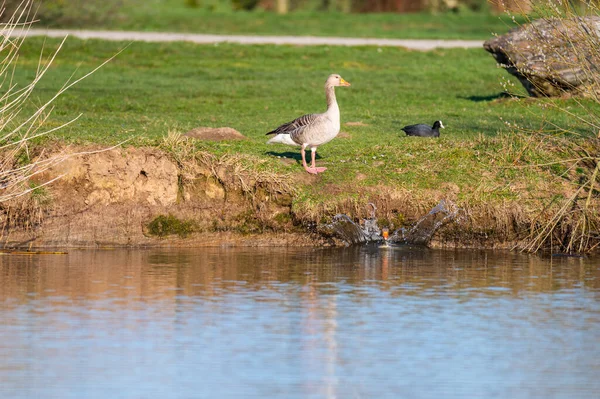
492, 97
292, 155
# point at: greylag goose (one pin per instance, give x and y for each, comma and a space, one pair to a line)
313, 130
422, 130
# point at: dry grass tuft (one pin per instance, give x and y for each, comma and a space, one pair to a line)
570, 220
573, 221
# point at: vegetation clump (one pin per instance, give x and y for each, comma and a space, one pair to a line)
568, 222
24, 121
166, 225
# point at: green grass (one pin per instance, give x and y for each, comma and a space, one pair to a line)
151, 89
173, 15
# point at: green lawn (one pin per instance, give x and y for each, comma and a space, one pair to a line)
151, 89
173, 15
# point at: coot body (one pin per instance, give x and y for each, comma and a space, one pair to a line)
423, 130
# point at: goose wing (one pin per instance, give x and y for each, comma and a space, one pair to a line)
297, 125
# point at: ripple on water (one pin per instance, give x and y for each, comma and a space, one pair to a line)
281, 323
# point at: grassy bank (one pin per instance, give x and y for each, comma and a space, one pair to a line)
174, 15
152, 89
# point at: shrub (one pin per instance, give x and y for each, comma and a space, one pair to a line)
78, 12
244, 4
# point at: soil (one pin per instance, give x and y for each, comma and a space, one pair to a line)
109, 198
129, 197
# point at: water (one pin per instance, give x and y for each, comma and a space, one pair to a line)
356, 322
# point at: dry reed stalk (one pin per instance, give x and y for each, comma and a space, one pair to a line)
570, 224
19, 161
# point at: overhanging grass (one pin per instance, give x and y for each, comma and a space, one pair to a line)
173, 15
152, 88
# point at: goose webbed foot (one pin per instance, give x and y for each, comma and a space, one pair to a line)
313, 170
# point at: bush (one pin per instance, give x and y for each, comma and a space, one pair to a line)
244, 4
78, 12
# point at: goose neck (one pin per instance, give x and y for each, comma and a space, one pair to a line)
330, 95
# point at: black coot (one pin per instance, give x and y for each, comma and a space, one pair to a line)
422, 130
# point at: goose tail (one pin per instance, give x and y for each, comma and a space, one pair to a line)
282, 138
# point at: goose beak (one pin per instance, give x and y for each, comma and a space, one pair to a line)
343, 82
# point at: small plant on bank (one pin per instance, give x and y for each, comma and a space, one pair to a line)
166, 225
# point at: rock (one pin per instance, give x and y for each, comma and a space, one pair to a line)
552, 57
215, 134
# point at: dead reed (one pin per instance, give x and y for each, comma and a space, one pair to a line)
21, 161
568, 222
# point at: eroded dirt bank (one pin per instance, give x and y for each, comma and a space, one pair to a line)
150, 197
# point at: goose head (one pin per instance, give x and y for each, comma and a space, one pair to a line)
335, 80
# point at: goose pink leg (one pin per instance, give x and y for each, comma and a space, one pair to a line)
312, 169
312, 164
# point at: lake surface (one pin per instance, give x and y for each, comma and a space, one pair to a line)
299, 323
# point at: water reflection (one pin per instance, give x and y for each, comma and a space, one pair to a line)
299, 323
209, 272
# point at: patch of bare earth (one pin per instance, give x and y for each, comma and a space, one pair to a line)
215, 134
